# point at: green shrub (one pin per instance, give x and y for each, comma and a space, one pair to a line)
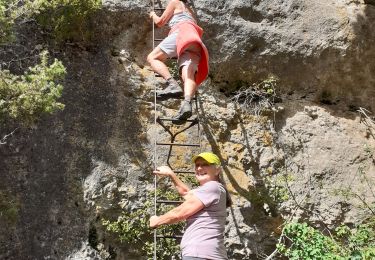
305, 242
301, 241
359, 242
25, 98
6, 21
68, 19
132, 228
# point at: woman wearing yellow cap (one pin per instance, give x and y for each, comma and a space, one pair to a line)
204, 209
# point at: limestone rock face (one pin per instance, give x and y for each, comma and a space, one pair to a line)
85, 252
321, 50
311, 157
331, 163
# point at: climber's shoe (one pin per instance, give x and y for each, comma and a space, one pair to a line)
184, 112
173, 90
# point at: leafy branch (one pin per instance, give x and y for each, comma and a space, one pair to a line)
132, 228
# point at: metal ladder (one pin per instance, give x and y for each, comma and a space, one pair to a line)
167, 124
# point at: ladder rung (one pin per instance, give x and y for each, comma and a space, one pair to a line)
160, 99
158, 40
170, 201
159, 8
178, 144
171, 119
163, 236
180, 171
182, 97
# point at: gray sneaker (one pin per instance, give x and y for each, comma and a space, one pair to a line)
184, 113
172, 90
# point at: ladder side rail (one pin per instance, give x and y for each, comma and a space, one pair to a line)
155, 133
158, 120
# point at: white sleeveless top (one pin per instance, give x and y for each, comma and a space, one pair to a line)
180, 17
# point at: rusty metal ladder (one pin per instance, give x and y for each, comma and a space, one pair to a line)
163, 121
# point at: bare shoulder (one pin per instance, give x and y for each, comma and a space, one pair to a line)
174, 2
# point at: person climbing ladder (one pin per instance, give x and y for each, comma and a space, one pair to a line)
204, 209
184, 42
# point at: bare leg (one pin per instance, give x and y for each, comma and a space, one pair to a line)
188, 71
190, 87
156, 59
188, 76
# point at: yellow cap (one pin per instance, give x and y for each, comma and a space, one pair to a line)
209, 157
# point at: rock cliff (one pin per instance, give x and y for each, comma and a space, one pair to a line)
311, 157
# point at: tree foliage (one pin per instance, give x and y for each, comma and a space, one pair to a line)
68, 19
6, 21
24, 98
